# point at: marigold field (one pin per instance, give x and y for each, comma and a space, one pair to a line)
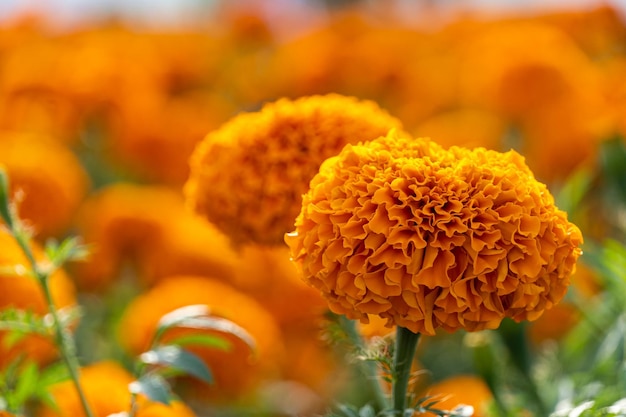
314, 208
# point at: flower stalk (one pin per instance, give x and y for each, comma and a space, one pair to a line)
406, 344
63, 339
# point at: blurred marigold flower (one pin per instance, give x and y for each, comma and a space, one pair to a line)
149, 228
236, 370
47, 181
106, 387
21, 291
267, 274
536, 77
248, 176
429, 238
159, 152
468, 390
467, 127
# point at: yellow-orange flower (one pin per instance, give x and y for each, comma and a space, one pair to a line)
149, 228
267, 274
47, 179
160, 152
468, 127
459, 390
236, 371
23, 292
248, 177
106, 387
429, 238
535, 76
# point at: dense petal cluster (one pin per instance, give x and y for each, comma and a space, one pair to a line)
430, 238
248, 177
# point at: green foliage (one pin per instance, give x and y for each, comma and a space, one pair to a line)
23, 382
177, 358
5, 207
154, 386
24, 322
171, 358
69, 249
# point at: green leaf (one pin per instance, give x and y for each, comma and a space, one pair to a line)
221, 325
572, 193
5, 208
26, 384
70, 249
367, 411
154, 387
53, 374
23, 321
197, 316
612, 156
206, 340
347, 410
178, 358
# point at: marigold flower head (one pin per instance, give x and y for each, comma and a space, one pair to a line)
236, 371
150, 228
106, 388
159, 152
429, 239
47, 179
248, 177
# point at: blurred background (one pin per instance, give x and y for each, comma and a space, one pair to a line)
102, 103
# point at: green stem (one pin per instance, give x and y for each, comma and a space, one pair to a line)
368, 367
406, 344
63, 339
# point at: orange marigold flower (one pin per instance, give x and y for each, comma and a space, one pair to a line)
429, 238
236, 371
159, 152
150, 228
248, 177
106, 387
20, 291
468, 127
267, 274
460, 390
47, 181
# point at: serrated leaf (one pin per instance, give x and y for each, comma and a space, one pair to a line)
205, 340
70, 249
23, 321
154, 387
26, 384
178, 358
